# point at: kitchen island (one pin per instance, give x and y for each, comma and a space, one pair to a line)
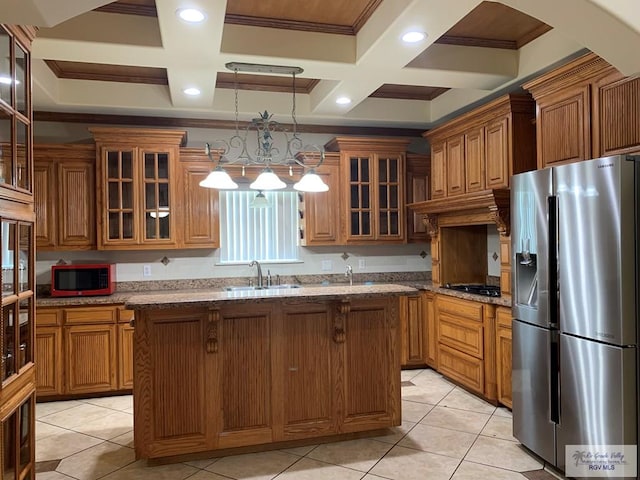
218, 370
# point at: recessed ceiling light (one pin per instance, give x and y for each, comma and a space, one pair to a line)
343, 100
191, 15
192, 91
413, 37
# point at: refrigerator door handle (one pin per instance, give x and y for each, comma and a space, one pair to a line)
552, 209
554, 377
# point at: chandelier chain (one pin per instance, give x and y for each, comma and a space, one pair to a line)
235, 83
293, 106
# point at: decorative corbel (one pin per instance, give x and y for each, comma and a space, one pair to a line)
502, 219
430, 221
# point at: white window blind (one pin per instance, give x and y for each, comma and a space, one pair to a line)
265, 234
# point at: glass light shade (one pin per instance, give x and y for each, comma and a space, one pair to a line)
260, 201
311, 182
219, 179
267, 180
162, 212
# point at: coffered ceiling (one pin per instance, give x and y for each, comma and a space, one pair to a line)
136, 57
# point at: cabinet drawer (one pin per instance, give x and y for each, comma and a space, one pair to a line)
124, 315
47, 317
465, 369
460, 308
461, 334
89, 315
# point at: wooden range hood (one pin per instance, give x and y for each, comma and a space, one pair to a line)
484, 207
457, 239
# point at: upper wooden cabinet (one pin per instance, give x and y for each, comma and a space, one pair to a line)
136, 185
417, 190
64, 196
373, 176
586, 109
483, 148
198, 207
320, 212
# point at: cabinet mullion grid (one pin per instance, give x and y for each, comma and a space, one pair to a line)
360, 189
156, 195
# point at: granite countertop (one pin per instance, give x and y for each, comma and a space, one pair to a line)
307, 290
165, 300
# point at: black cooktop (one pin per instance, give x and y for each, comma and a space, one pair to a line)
477, 289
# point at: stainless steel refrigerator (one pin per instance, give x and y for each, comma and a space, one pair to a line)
575, 243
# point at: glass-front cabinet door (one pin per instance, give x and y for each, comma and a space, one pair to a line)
121, 198
157, 216
390, 178
360, 204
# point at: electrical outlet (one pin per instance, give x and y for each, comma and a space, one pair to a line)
326, 265
146, 270
361, 263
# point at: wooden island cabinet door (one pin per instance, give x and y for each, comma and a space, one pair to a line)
175, 354
371, 365
306, 376
245, 360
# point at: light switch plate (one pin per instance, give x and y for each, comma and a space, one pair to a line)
146, 271
361, 263
326, 265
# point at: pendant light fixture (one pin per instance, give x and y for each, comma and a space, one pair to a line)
275, 145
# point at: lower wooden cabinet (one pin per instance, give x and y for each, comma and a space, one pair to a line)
227, 377
413, 331
82, 350
429, 314
503, 356
90, 358
466, 343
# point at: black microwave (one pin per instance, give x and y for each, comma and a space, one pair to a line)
83, 280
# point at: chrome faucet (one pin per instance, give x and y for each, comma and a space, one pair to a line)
349, 274
255, 263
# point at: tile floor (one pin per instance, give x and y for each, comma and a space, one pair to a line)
446, 433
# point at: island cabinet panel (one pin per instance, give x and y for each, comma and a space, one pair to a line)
371, 366
175, 412
307, 365
245, 357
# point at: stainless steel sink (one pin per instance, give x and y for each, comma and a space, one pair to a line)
247, 288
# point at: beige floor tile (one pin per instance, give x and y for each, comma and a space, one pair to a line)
475, 471
500, 453
370, 476
430, 378
309, 469
63, 445
76, 415
499, 427
503, 412
463, 400
414, 411
255, 466
44, 430
454, 419
202, 475
96, 462
109, 426
139, 471
442, 441
426, 394
203, 463
52, 476
396, 433
120, 402
407, 375
300, 451
47, 408
125, 439
361, 454
408, 464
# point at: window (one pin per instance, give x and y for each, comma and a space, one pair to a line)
266, 234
